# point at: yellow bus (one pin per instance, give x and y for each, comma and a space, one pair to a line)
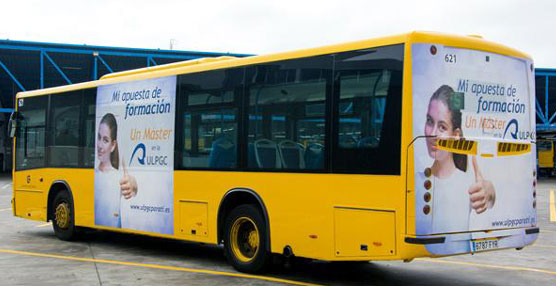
414, 145
546, 156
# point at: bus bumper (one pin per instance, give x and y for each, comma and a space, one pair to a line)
473, 242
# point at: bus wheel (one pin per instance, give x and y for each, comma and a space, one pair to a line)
63, 217
245, 239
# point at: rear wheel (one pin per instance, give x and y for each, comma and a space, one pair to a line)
63, 216
245, 241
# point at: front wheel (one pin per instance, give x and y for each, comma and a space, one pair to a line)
245, 242
63, 218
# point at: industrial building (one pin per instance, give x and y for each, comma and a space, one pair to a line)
545, 86
34, 65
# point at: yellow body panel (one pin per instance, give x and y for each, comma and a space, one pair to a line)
30, 204
193, 219
364, 232
30, 194
546, 157
302, 208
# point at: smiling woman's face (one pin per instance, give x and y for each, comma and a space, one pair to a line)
105, 144
439, 124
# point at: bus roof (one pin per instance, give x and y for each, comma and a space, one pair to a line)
167, 66
204, 64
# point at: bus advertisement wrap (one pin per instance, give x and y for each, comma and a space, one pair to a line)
134, 155
486, 99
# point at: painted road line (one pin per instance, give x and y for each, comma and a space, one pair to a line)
7, 209
43, 225
547, 246
164, 267
552, 206
519, 268
6, 186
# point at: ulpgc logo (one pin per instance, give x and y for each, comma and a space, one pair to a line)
140, 158
513, 128
140, 152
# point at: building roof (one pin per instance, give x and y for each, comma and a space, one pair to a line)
35, 65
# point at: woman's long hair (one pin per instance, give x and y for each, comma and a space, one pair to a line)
444, 94
110, 121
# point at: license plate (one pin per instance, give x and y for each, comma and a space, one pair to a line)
484, 244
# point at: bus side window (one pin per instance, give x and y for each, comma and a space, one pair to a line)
286, 114
368, 103
30, 140
207, 122
64, 128
87, 129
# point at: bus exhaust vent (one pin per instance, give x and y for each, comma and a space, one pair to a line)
458, 146
507, 149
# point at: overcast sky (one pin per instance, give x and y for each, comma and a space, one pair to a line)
260, 26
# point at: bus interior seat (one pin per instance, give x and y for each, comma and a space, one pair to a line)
64, 156
251, 161
347, 141
223, 153
266, 154
291, 155
314, 156
368, 142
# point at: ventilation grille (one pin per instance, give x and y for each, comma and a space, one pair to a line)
459, 146
506, 149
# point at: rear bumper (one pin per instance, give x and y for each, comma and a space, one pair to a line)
532, 230
425, 240
459, 243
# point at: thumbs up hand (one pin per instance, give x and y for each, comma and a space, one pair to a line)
128, 184
482, 193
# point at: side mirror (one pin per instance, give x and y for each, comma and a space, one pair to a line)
12, 125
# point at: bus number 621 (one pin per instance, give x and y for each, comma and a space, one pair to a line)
450, 58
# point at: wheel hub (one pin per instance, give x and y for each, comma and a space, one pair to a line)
244, 239
62, 215
253, 239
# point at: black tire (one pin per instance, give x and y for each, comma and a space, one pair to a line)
67, 230
260, 259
